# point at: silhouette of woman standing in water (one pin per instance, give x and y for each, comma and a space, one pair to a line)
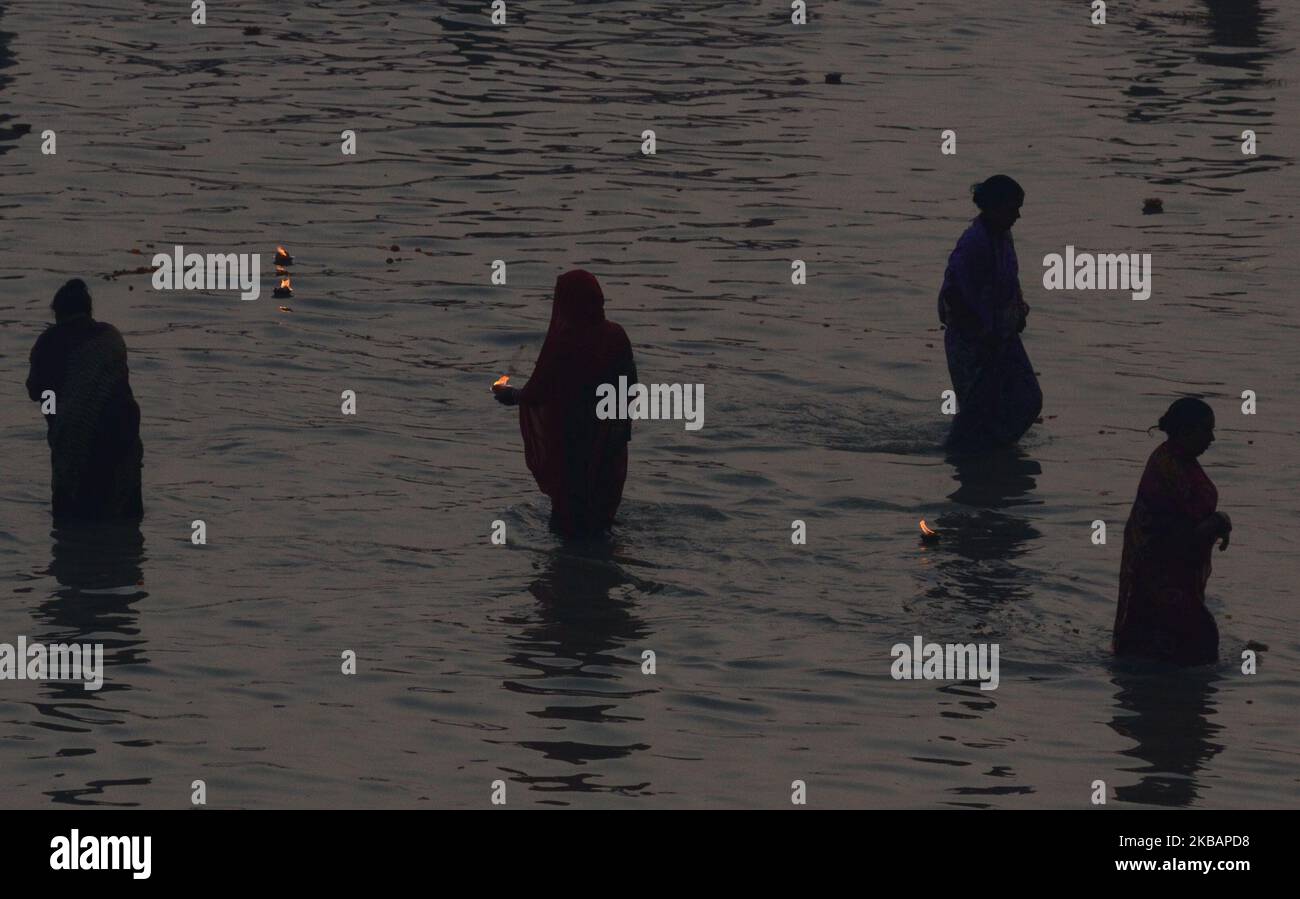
981, 305
93, 422
1167, 547
578, 460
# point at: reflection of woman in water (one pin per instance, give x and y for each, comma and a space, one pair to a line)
980, 303
94, 431
579, 461
1167, 546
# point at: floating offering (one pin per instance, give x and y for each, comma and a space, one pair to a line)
1152, 206
285, 309
833, 78
928, 534
282, 256
501, 383
284, 291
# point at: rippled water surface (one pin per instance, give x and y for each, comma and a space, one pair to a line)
523, 663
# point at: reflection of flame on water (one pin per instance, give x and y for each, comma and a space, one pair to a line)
284, 290
928, 534
501, 382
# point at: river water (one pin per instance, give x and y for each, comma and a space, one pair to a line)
523, 663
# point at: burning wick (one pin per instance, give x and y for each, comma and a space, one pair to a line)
282, 256
501, 383
284, 291
928, 534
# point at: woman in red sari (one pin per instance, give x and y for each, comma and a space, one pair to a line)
1167, 546
578, 460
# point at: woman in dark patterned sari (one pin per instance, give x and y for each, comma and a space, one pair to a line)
1167, 547
981, 305
93, 425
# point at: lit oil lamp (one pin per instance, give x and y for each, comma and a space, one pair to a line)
282, 256
501, 383
284, 291
928, 534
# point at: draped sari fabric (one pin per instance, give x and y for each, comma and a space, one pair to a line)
578, 460
1165, 567
998, 397
94, 434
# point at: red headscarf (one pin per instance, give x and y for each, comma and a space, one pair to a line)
579, 461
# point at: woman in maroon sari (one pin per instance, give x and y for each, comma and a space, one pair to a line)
1167, 545
578, 460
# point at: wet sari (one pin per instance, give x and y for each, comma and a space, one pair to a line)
577, 459
94, 434
1165, 567
981, 304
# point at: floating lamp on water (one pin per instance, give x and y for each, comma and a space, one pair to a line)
501, 383
282, 256
284, 291
928, 534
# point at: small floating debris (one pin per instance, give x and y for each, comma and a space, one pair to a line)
284, 291
394, 249
1257, 646
833, 78
138, 270
284, 308
282, 256
1153, 206
928, 534
252, 30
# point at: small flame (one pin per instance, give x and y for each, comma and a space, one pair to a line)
284, 284
503, 381
281, 251
926, 530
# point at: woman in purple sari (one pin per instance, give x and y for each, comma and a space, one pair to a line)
981, 306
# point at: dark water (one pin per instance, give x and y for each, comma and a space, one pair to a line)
522, 663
